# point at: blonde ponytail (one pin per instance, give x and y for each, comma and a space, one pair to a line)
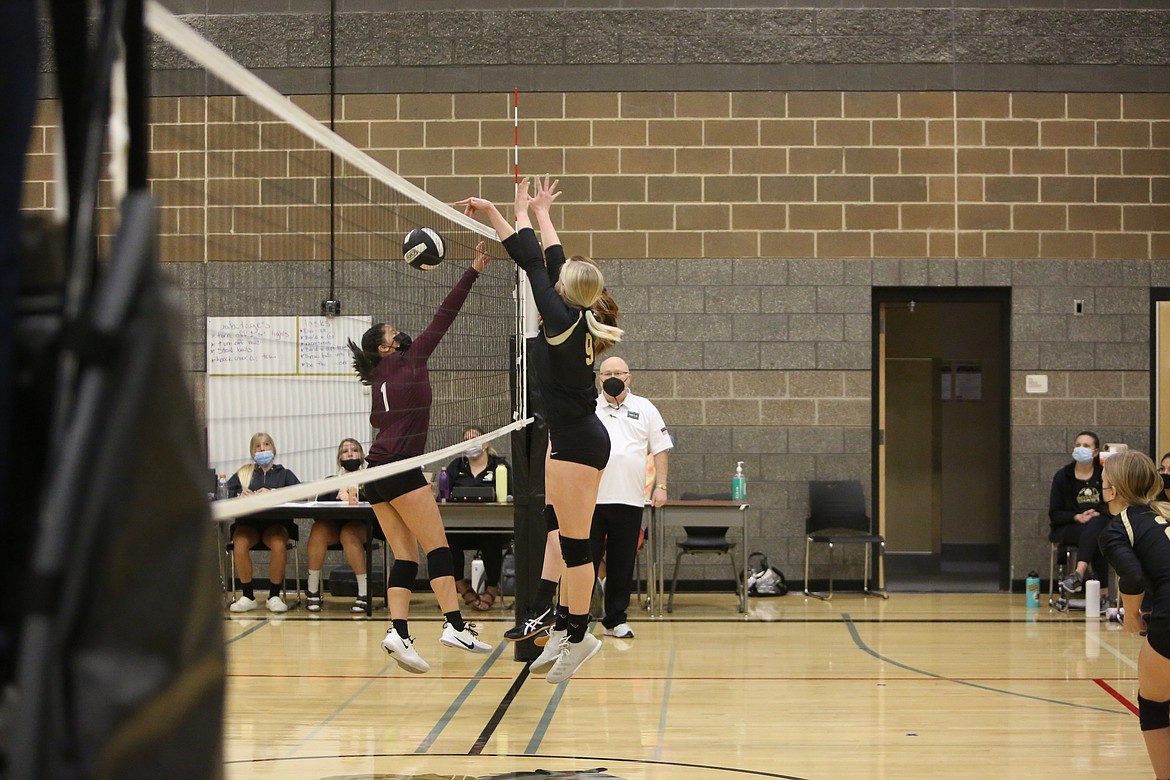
605, 336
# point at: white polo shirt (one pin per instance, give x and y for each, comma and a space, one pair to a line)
635, 430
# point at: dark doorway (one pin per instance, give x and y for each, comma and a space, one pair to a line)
942, 436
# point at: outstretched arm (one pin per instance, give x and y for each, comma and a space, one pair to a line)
523, 200
473, 205
546, 194
429, 339
554, 253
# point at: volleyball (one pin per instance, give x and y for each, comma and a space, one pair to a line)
423, 248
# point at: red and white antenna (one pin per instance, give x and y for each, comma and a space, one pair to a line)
516, 129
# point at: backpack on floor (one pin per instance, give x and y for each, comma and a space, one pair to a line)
508, 574
763, 578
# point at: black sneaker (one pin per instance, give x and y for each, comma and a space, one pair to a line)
359, 604
1072, 583
315, 602
533, 624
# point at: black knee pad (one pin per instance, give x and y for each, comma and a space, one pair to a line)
402, 574
576, 552
1153, 714
550, 518
440, 563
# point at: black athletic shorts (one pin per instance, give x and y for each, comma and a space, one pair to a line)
389, 488
585, 442
1158, 634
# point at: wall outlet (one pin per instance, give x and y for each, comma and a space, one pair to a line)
1078, 306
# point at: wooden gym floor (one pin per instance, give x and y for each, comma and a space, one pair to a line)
922, 685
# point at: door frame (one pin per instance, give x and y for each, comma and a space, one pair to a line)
1157, 295
998, 295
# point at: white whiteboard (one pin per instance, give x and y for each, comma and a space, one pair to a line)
291, 378
281, 346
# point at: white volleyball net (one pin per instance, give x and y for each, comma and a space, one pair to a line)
298, 235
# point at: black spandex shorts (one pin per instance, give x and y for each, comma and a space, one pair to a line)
585, 442
1158, 635
389, 488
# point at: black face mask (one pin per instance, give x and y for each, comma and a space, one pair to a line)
403, 340
1166, 481
613, 387
351, 465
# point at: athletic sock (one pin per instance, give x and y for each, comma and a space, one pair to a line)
562, 620
249, 593
545, 591
273, 589
400, 628
361, 582
578, 625
455, 620
314, 585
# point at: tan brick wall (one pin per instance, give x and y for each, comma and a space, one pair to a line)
686, 175
759, 398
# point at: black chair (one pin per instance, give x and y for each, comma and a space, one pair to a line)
290, 546
370, 546
703, 540
837, 516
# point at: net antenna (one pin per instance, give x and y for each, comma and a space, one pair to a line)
269, 182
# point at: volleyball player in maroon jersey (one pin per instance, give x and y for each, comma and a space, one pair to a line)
395, 368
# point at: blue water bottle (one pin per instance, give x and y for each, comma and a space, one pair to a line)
1032, 589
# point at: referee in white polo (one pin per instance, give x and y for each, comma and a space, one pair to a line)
635, 430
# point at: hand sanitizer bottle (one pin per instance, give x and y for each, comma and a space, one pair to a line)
739, 483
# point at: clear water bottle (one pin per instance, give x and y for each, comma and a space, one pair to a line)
221, 488
444, 485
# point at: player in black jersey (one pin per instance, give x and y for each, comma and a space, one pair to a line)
1137, 544
564, 358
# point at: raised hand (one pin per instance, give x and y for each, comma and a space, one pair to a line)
473, 205
523, 198
545, 194
482, 258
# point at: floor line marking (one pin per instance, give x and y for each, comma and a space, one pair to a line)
501, 710
550, 709
658, 748
865, 648
1115, 694
430, 738
240, 636
329, 718
1120, 655
546, 718
733, 770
